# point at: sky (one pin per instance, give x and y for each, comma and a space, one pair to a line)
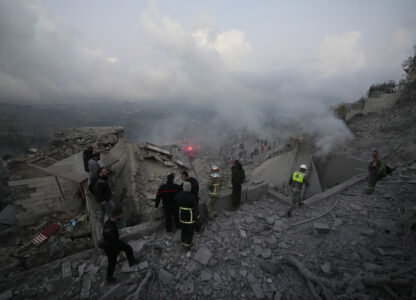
296, 57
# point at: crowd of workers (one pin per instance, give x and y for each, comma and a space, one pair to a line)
181, 202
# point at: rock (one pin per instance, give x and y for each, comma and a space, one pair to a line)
326, 268
321, 227
86, 286
81, 268
205, 276
143, 265
272, 242
277, 296
113, 293
367, 255
125, 268
243, 273
66, 269
356, 207
337, 222
269, 267
186, 288
371, 267
6, 295
165, 276
368, 232
191, 267
8, 215
257, 250
266, 253
212, 262
243, 233
269, 220
250, 220
168, 164
258, 292
203, 255
131, 288
257, 240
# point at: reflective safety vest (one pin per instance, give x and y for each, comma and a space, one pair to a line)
298, 176
186, 215
215, 191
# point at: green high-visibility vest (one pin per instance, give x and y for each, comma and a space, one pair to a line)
298, 176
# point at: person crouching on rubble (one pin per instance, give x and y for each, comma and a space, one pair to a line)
166, 193
103, 195
376, 171
112, 245
296, 181
188, 214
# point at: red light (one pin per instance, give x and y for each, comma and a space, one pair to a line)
189, 148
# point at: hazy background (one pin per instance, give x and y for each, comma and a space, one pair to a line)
172, 68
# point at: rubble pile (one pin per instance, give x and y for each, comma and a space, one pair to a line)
246, 255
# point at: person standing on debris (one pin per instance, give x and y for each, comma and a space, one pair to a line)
188, 213
166, 193
214, 185
112, 245
296, 181
376, 171
103, 195
194, 190
237, 178
86, 156
93, 168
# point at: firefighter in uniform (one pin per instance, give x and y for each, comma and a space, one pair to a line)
166, 193
296, 181
214, 185
187, 204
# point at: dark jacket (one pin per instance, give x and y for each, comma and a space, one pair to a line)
166, 193
194, 186
188, 200
86, 155
93, 167
373, 170
102, 190
237, 174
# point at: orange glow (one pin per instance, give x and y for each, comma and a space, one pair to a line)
189, 148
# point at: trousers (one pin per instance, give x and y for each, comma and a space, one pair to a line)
212, 205
112, 253
106, 208
236, 195
171, 212
295, 199
187, 233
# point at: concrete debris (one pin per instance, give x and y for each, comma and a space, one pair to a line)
113, 293
326, 268
165, 276
81, 268
157, 149
143, 265
203, 255
86, 286
321, 227
186, 288
66, 269
8, 215
205, 276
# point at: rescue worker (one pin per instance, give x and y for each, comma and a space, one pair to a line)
93, 168
237, 178
103, 195
296, 181
194, 190
112, 245
188, 213
86, 156
214, 185
166, 193
376, 171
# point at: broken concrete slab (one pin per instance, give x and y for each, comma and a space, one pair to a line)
205, 276
326, 268
113, 293
143, 265
321, 227
165, 276
8, 215
157, 149
86, 286
66, 269
203, 255
336, 189
279, 196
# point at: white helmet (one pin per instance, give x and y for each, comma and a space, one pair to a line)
303, 166
215, 168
